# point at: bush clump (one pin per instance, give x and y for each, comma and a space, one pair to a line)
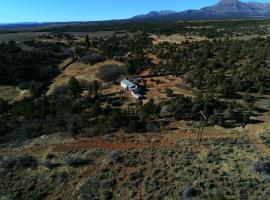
190, 192
262, 167
92, 59
116, 156
20, 162
77, 162
3, 105
109, 72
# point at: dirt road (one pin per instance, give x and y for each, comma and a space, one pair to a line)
254, 130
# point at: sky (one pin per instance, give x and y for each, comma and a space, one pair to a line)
12, 11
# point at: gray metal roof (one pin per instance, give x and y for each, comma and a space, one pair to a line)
129, 84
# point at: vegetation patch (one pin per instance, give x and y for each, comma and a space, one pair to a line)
110, 72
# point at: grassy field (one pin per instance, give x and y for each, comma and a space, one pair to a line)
175, 38
20, 36
83, 72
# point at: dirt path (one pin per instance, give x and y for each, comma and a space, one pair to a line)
150, 141
254, 130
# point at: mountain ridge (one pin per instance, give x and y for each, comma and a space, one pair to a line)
222, 9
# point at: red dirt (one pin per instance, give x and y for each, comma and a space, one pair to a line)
92, 144
168, 140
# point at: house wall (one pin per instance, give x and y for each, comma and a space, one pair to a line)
124, 86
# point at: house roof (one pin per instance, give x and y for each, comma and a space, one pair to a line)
129, 84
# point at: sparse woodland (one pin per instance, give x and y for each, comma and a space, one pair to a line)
228, 74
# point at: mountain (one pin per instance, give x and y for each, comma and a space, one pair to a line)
224, 9
231, 6
264, 7
155, 14
236, 6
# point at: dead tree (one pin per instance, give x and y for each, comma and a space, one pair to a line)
202, 125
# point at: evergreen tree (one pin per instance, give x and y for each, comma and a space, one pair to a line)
87, 42
74, 87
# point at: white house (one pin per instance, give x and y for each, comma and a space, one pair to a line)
136, 95
133, 88
127, 85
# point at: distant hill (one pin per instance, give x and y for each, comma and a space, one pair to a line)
15, 25
155, 14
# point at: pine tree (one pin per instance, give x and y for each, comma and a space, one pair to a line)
74, 87
87, 42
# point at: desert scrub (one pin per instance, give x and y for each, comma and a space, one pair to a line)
110, 72
77, 162
116, 156
262, 167
21, 162
265, 136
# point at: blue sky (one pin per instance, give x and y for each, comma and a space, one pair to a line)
88, 10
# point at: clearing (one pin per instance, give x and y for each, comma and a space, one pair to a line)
176, 38
12, 93
80, 71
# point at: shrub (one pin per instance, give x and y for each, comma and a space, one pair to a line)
27, 162
3, 106
109, 72
51, 165
190, 192
169, 92
117, 103
262, 167
8, 163
92, 59
116, 156
77, 162
74, 129
131, 126
20, 162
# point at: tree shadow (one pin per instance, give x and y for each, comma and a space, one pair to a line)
255, 121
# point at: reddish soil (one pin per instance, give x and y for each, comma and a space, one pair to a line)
167, 140
84, 145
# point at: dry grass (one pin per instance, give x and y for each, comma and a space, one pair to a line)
157, 86
12, 93
80, 71
20, 36
176, 38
